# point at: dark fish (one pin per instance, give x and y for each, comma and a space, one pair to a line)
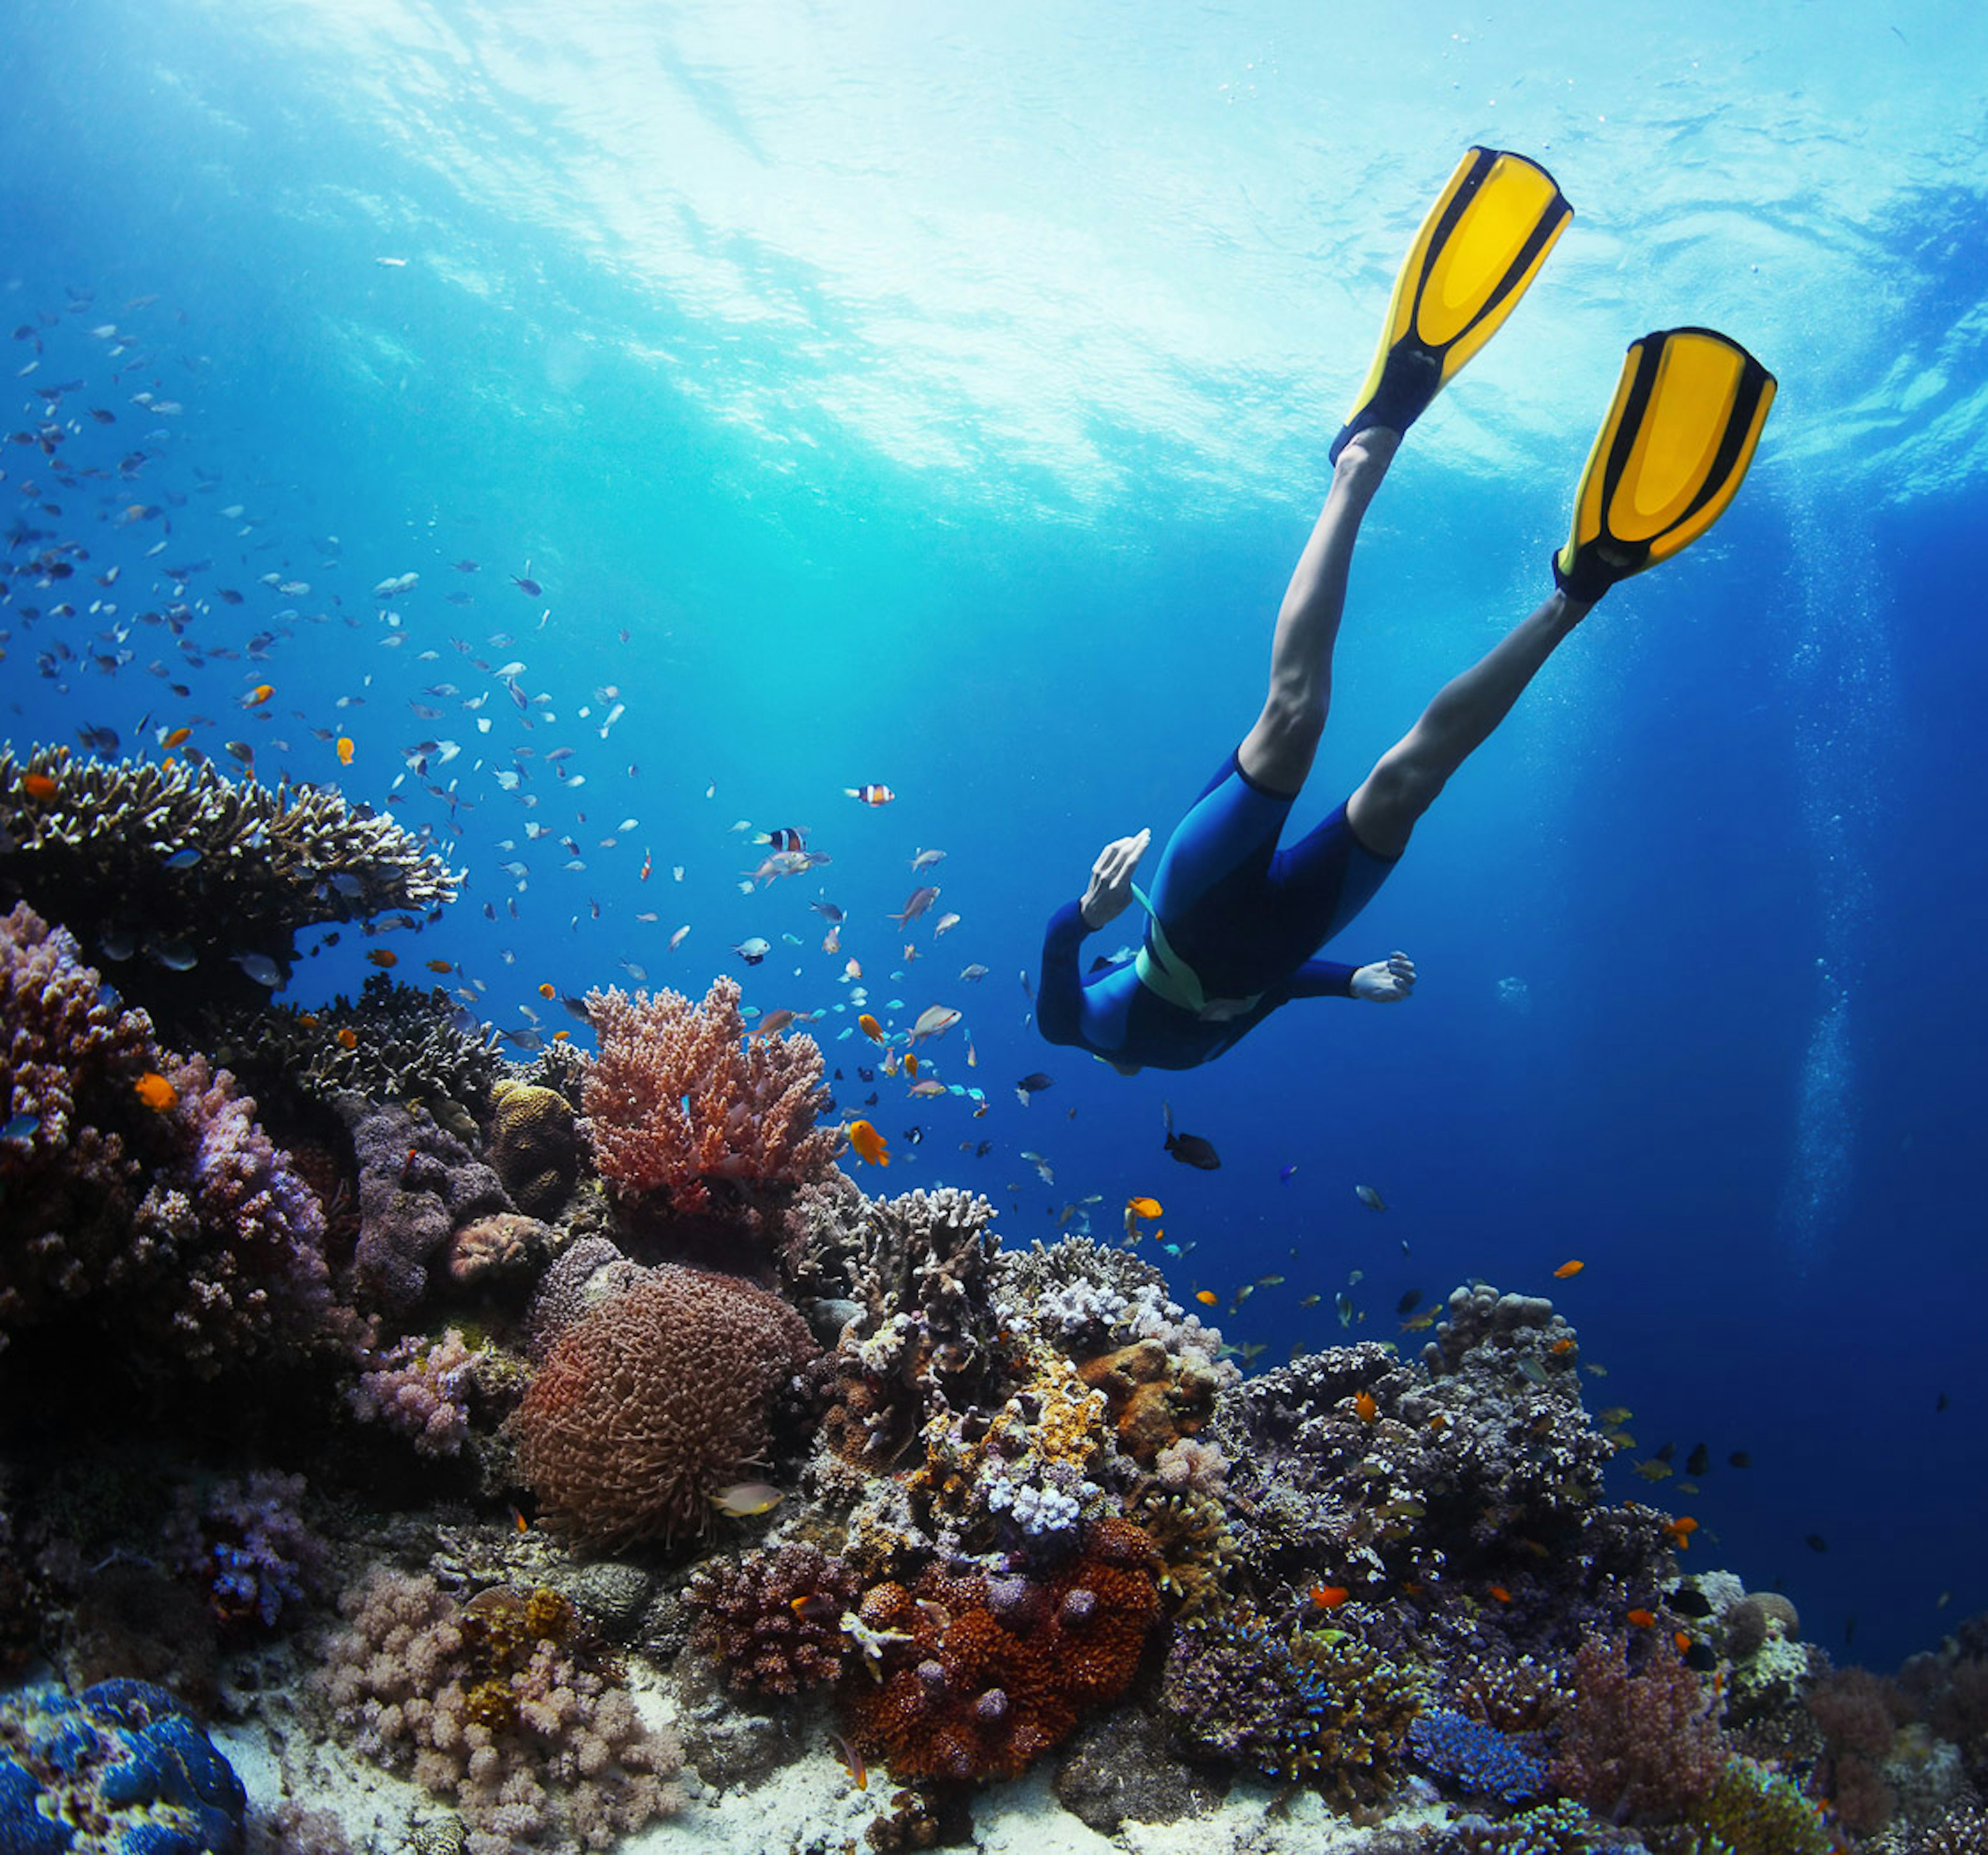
1409, 1302
98, 740
827, 910
1034, 1080
1688, 1602
1698, 1461
230, 595
1191, 1149
914, 1135
1740, 1459
1939, 1404
530, 588
1816, 1543
1700, 1659
465, 566
1849, 1631
982, 1151
1667, 1452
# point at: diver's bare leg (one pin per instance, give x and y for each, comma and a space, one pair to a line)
1406, 781
1277, 751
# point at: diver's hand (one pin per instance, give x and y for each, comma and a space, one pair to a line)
1386, 981
1110, 886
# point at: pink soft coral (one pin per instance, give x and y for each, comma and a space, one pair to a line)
690, 1119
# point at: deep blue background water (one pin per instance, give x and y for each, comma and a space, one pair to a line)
943, 405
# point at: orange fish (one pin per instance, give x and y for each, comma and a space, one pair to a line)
868, 1142
258, 695
440, 965
1561, 1345
1682, 1641
348, 1038
345, 750
155, 1092
309, 1020
1364, 1404
177, 737
1207, 1297
1680, 1530
1643, 1620
39, 785
561, 1035
1145, 1209
1438, 1421
1328, 1596
870, 794
1499, 1592
870, 1028
548, 990
1567, 1271
381, 956
911, 1064
646, 866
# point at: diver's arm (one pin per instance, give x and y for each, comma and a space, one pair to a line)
1321, 979
1110, 885
1060, 990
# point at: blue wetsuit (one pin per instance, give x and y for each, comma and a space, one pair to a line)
1240, 917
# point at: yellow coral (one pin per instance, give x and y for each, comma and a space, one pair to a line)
533, 1145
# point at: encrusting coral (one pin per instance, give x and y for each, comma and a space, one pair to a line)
534, 1145
651, 1403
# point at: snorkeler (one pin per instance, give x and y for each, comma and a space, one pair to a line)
1232, 922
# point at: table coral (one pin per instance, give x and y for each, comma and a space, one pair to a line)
654, 1401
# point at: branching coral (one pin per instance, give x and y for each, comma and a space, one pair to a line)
171, 1207
500, 1705
1316, 1706
247, 1549
1641, 1748
774, 1619
690, 1119
418, 1389
654, 1401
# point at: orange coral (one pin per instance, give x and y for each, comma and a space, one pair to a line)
679, 1102
976, 1677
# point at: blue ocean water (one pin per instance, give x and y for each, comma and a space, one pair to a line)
941, 403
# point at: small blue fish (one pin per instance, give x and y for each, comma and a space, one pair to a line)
22, 1126
184, 860
260, 967
1284, 1174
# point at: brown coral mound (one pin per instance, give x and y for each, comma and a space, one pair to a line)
681, 1104
654, 1401
1638, 1749
534, 1145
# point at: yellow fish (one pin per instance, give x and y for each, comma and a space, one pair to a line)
868, 1142
744, 1500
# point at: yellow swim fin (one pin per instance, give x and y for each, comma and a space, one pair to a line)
1482, 243
1670, 455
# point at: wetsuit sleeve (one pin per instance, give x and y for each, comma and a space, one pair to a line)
1321, 979
1059, 990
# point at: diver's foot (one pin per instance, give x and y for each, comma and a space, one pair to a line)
1363, 459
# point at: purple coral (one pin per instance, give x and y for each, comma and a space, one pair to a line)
417, 1389
1641, 1748
417, 1184
248, 1548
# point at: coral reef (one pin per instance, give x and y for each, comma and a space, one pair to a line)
1753, 1811
417, 1185
774, 1619
1316, 1706
503, 1248
395, 1043
1637, 1747
1474, 1756
588, 1272
499, 1703
417, 1390
246, 1548
694, 1125
1859, 1713
104, 852
967, 1676
122, 1759
534, 1145
143, 1197
654, 1401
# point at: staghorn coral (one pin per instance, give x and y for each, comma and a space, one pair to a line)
100, 855
967, 1677
124, 1760
501, 1705
1637, 1747
395, 1041
774, 1619
654, 1401
534, 1145
692, 1123
1474, 1756
1313, 1706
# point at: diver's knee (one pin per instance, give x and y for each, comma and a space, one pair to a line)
1293, 723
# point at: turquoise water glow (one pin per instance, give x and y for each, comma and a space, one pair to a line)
940, 400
